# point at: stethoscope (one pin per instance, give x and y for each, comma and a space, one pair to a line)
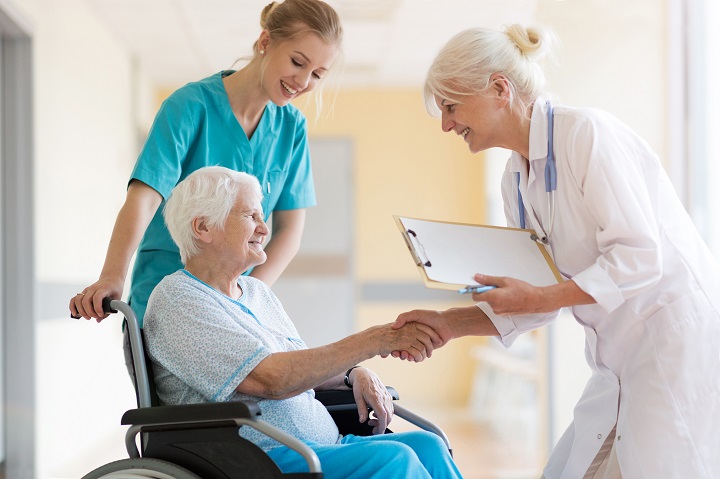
550, 183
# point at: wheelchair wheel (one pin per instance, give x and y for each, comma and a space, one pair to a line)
141, 468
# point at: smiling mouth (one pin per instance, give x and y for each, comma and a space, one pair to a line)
464, 132
288, 89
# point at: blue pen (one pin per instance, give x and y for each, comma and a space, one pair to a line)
476, 289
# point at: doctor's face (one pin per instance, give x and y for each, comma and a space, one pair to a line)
475, 118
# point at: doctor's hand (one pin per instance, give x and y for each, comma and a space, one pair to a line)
512, 296
432, 319
369, 391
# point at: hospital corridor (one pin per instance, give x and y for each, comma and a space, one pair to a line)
83, 81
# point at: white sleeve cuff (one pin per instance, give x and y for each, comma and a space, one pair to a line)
504, 325
596, 282
510, 327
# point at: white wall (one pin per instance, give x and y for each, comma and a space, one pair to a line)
87, 100
613, 55
84, 137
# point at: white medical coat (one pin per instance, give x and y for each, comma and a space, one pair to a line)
653, 338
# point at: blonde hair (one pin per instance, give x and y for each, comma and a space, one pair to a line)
290, 18
284, 20
466, 63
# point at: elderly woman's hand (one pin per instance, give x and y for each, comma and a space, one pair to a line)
369, 391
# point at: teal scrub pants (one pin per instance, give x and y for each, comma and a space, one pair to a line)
404, 455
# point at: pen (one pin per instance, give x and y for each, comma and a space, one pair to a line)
476, 289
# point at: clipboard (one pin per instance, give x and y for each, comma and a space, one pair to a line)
448, 255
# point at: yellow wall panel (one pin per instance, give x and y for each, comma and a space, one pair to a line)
404, 165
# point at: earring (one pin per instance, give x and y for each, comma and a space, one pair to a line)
262, 52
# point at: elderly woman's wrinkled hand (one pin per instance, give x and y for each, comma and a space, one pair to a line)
369, 391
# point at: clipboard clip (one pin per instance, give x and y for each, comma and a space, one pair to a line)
415, 251
537, 239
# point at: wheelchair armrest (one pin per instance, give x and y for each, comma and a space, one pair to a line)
191, 413
213, 415
337, 399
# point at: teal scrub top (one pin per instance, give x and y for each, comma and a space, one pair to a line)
195, 127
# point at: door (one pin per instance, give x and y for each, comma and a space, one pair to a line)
17, 311
317, 289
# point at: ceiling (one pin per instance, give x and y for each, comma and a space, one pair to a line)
387, 42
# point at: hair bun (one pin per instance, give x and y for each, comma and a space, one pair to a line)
266, 13
533, 42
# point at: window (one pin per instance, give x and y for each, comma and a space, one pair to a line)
695, 120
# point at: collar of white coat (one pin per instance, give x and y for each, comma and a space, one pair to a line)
538, 136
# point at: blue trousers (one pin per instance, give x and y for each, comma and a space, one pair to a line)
403, 455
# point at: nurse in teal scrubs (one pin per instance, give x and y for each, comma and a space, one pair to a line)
241, 120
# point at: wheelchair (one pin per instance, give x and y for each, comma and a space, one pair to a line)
201, 441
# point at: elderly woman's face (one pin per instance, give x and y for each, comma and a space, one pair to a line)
245, 231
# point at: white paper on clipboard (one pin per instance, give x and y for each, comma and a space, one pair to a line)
448, 255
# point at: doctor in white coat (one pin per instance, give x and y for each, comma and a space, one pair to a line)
638, 277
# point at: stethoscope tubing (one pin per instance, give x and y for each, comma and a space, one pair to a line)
550, 179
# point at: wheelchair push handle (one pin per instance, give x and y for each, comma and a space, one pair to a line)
107, 306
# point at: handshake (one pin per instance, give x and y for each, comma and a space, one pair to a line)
414, 335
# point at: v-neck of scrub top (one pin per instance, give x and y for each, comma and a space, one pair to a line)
248, 146
538, 151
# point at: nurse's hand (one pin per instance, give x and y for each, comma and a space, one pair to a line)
88, 303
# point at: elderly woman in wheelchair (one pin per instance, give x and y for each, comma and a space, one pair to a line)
214, 336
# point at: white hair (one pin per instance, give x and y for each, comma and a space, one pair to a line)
210, 193
466, 63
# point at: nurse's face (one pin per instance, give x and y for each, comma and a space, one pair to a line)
295, 67
475, 118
